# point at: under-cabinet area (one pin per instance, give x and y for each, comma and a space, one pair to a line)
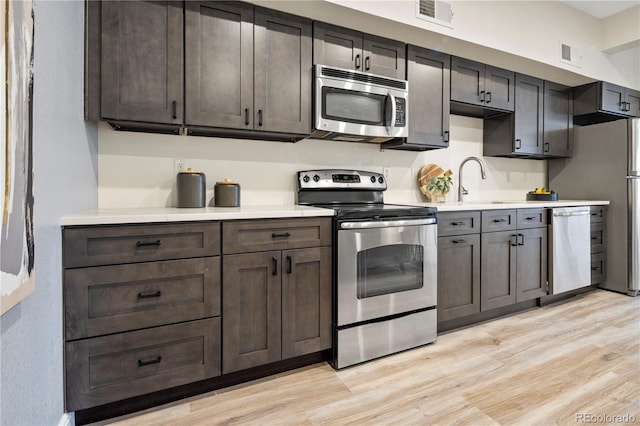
149, 307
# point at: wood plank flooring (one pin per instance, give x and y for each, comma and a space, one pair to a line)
555, 365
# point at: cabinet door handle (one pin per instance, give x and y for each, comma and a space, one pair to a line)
274, 261
482, 96
499, 220
595, 268
367, 63
520, 239
460, 241
260, 117
595, 238
149, 295
546, 147
281, 235
518, 143
513, 240
288, 264
148, 243
488, 97
446, 136
628, 106
174, 109
156, 360
358, 61
246, 116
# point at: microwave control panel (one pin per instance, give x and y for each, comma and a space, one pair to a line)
400, 112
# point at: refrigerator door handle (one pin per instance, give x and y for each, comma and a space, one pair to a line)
634, 235
634, 147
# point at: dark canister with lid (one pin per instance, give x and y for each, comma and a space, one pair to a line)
226, 194
191, 188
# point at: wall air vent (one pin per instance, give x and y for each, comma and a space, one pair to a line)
435, 11
569, 55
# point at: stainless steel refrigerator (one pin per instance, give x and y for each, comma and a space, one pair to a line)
606, 166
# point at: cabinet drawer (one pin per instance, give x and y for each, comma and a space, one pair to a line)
598, 237
108, 245
110, 368
598, 268
598, 213
458, 223
243, 236
110, 299
498, 220
532, 218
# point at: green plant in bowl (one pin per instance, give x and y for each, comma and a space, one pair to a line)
439, 186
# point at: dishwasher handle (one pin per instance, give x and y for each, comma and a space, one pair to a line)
576, 213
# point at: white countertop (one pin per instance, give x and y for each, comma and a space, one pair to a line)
173, 214
507, 204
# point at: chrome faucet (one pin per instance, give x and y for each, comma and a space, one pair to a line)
461, 190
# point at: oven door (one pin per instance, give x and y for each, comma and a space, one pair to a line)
385, 268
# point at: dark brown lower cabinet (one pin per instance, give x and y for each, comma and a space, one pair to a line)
514, 261
114, 367
458, 276
276, 305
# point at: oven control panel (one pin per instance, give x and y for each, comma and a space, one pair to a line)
341, 179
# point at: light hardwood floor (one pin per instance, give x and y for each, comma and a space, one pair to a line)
554, 365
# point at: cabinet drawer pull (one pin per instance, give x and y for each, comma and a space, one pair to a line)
246, 116
499, 220
149, 295
446, 136
530, 218
367, 63
595, 238
628, 106
281, 235
595, 268
148, 243
546, 147
518, 143
358, 62
488, 97
288, 264
260, 117
460, 241
274, 270
457, 223
157, 360
482, 96
174, 109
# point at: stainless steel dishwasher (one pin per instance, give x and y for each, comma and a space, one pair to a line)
570, 249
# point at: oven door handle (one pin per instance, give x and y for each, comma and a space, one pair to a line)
388, 223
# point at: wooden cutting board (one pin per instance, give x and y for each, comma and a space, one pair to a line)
425, 174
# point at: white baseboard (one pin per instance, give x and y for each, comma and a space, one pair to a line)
67, 419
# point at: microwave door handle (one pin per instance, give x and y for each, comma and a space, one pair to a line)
392, 122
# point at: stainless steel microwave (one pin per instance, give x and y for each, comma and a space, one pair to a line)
359, 107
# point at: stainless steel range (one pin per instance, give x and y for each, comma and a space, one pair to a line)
385, 263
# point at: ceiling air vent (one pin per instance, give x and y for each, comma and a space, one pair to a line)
436, 11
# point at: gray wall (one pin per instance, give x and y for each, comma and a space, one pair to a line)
65, 181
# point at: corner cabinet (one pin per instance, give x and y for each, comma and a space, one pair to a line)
345, 48
540, 126
135, 63
428, 76
276, 290
480, 90
247, 68
601, 101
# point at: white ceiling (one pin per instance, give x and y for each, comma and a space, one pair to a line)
601, 8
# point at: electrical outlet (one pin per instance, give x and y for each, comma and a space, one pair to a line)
179, 165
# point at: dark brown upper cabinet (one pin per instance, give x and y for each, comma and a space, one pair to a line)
557, 120
345, 48
480, 90
540, 127
428, 76
599, 102
247, 69
135, 64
